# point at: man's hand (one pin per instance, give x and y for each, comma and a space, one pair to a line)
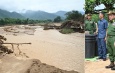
105, 38
86, 32
95, 32
114, 44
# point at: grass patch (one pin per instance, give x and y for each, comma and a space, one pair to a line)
67, 31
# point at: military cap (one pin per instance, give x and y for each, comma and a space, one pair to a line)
110, 12
114, 12
89, 14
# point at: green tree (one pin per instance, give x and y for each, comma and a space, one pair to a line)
74, 15
95, 17
18, 21
49, 20
58, 19
2, 22
91, 4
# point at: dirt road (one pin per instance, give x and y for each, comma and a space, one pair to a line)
97, 67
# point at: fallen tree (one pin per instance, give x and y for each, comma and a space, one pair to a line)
71, 26
4, 49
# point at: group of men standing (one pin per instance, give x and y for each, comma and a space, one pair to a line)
105, 31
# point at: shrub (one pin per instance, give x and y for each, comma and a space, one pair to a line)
66, 31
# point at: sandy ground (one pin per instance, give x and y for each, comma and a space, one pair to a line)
53, 48
97, 67
10, 64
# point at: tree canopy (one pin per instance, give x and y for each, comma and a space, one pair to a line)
8, 21
74, 15
58, 19
91, 4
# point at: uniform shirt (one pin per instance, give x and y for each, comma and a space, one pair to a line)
114, 20
89, 25
111, 29
102, 26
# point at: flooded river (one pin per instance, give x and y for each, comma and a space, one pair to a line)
51, 47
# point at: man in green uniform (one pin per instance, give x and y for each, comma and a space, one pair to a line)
111, 40
90, 25
114, 16
114, 20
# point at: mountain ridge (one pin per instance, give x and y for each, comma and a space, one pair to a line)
35, 15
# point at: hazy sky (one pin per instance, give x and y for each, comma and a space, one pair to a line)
44, 5
100, 7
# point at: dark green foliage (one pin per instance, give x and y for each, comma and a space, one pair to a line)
9, 21
58, 19
91, 4
95, 17
74, 15
67, 30
73, 20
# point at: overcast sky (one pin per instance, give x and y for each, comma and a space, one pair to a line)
44, 5
100, 7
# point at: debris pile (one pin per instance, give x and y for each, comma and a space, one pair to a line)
68, 26
51, 26
20, 29
72, 26
4, 49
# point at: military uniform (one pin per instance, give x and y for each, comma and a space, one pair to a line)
111, 40
114, 16
90, 26
110, 43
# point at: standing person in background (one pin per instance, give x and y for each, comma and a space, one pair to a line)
90, 25
111, 40
114, 16
101, 36
114, 22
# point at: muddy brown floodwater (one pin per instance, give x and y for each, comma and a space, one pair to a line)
53, 48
